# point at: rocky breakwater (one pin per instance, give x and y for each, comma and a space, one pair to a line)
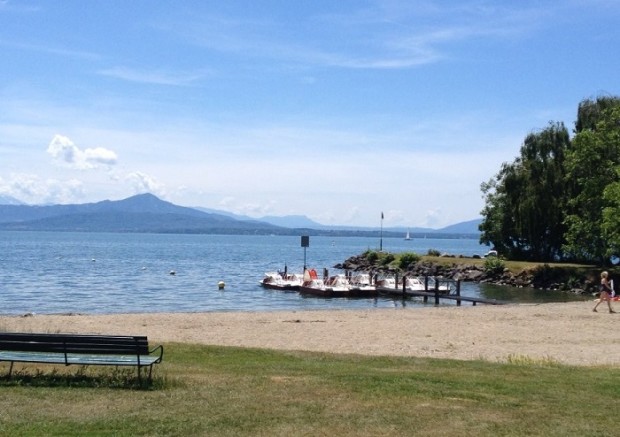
541, 277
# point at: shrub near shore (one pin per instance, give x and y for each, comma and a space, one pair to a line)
573, 278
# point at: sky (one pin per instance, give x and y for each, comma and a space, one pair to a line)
337, 110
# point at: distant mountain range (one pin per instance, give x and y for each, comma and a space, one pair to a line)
301, 221
147, 213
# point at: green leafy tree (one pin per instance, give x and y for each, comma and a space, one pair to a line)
609, 131
590, 112
498, 225
592, 182
523, 217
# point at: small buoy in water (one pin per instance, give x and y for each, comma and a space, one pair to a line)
172, 272
221, 285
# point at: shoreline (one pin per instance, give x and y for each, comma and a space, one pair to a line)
567, 333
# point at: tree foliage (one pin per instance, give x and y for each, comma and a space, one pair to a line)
590, 112
560, 199
524, 212
592, 184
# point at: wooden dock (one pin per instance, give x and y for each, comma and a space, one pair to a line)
437, 294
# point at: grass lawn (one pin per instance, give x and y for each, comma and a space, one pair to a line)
224, 391
513, 266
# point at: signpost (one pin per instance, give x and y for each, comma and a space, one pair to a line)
305, 242
381, 237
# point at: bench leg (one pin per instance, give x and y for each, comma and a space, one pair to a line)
150, 374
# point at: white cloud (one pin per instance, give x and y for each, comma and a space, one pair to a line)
434, 218
32, 189
100, 155
384, 35
50, 49
143, 183
156, 77
63, 150
246, 207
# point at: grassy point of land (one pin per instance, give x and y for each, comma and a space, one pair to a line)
513, 266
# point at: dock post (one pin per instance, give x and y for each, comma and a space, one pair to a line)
396, 281
436, 291
404, 285
458, 292
425, 288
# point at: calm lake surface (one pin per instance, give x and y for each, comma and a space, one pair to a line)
50, 273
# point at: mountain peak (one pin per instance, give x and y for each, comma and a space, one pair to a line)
145, 201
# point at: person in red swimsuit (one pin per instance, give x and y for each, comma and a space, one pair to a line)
606, 292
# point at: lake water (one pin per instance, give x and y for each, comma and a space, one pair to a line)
49, 273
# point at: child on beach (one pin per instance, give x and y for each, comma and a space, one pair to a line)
606, 292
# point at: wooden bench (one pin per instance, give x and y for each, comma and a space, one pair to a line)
67, 349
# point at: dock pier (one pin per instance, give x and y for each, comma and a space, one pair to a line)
436, 293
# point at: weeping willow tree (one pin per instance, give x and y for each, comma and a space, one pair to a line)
524, 211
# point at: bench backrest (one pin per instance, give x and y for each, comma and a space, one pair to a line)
74, 343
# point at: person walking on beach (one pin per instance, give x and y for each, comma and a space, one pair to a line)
606, 292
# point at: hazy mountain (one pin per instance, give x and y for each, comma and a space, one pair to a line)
468, 227
301, 221
8, 200
287, 221
141, 213
147, 213
292, 221
225, 213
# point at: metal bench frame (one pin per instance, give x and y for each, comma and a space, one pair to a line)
80, 349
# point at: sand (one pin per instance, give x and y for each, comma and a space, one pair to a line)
568, 333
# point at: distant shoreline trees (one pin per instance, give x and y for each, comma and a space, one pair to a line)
560, 199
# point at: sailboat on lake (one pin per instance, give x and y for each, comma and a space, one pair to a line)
407, 237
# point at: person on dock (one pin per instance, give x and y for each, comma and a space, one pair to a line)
605, 292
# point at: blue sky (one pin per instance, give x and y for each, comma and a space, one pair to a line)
337, 110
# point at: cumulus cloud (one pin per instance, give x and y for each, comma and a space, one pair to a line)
63, 150
143, 183
32, 189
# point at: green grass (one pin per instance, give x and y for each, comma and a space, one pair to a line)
513, 266
221, 391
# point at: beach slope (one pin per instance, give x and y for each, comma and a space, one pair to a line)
568, 333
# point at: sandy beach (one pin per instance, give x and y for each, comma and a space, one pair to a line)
568, 333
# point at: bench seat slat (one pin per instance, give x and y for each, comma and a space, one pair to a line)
85, 359
73, 343
120, 339
84, 348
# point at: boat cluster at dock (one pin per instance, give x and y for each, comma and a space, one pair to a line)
349, 284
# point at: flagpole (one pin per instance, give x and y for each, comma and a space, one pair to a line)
381, 236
